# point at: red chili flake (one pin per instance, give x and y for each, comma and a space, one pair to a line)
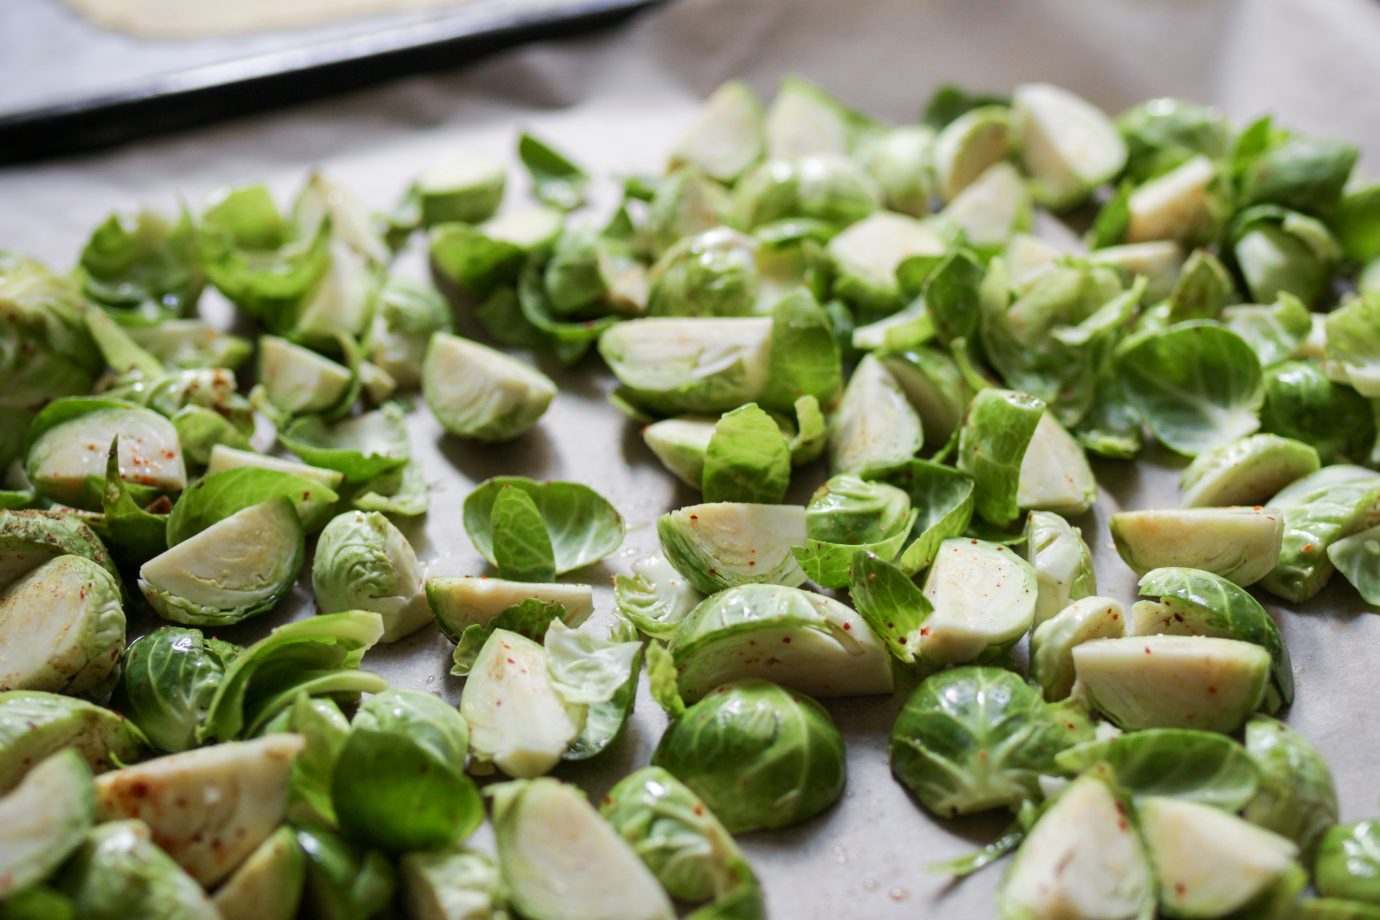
1122, 825
847, 626
924, 630
1115, 616
713, 572
511, 661
1180, 888
1178, 617
900, 640
694, 517
786, 639
1212, 689
1147, 650
752, 562
974, 542
699, 809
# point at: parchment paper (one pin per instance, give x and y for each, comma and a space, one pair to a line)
616, 102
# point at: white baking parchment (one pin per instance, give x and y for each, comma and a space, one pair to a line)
616, 102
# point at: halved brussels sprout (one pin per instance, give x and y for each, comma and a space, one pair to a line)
477, 392
209, 808
866, 255
453, 884
826, 187
1068, 146
1246, 472
1182, 204
1172, 681
983, 597
30, 538
1213, 864
170, 677
1081, 859
119, 872
690, 364
1240, 544
655, 597
722, 544
62, 628
900, 159
1062, 562
968, 145
800, 639
232, 570
34, 725
758, 755
1297, 797
43, 819
518, 721
991, 209
1346, 862
1054, 639
1054, 473
561, 861
975, 738
713, 273
363, 562
992, 446
875, 427
268, 884
726, 136
70, 439
464, 185
298, 381
457, 603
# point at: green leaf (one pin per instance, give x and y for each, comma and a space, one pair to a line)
401, 491
1203, 288
747, 460
1194, 766
1353, 341
134, 534
992, 444
951, 296
521, 546
944, 500
1113, 218
950, 101
361, 447
1357, 557
600, 674
143, 270
892, 604
582, 526
473, 261
217, 496
530, 618
663, 680
555, 179
804, 355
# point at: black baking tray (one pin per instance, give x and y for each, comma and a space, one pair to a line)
291, 73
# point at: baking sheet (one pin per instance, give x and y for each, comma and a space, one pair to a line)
616, 103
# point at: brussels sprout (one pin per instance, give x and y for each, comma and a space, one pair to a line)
713, 273
170, 677
209, 808
685, 204
34, 725
1054, 474
1165, 131
758, 755
1212, 864
992, 209
846, 515
581, 526
299, 381
362, 447
1297, 796
680, 444
229, 458
70, 437
44, 819
30, 538
340, 304
1179, 763
119, 872
725, 138
1062, 562
1356, 558
1319, 510
993, 442
803, 640
975, 738
1081, 859
463, 185
865, 257
599, 673
968, 145
479, 259
1276, 332
908, 327
747, 459
1067, 146
408, 313
804, 119
1301, 403
723, 544
454, 884
1198, 386
404, 788
62, 628
983, 596
268, 884
589, 272
363, 562
1198, 603
1333, 909
1346, 863
1352, 343
216, 496
1172, 681
944, 498
690, 364
823, 186
900, 160
477, 392
51, 353
191, 343
655, 597
1281, 251
1240, 544
460, 603
1185, 205
518, 721
234, 569
875, 427
562, 862
555, 179
1159, 261
1246, 472
343, 882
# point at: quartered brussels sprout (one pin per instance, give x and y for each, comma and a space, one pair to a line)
458, 603
44, 819
268, 884
799, 639
464, 185
1158, 262
983, 596
691, 364
726, 137
561, 861
1081, 859
229, 458
52, 356
234, 569
900, 160
407, 315
655, 597
402, 785
344, 881
804, 119
1068, 146
1353, 345
210, 808
684, 205
1171, 681
826, 187
120, 872
846, 515
1297, 797
758, 755
1346, 865
588, 272
875, 427
1281, 251
866, 254
680, 444
452, 884
1319, 510
363, 562
995, 207
170, 677
1062, 562
62, 628
34, 725
713, 273
299, 381
723, 544
70, 439
216, 496
477, 392
1303, 404
1240, 544
968, 145
1246, 472
1185, 204
935, 388
1054, 639
975, 738
992, 445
